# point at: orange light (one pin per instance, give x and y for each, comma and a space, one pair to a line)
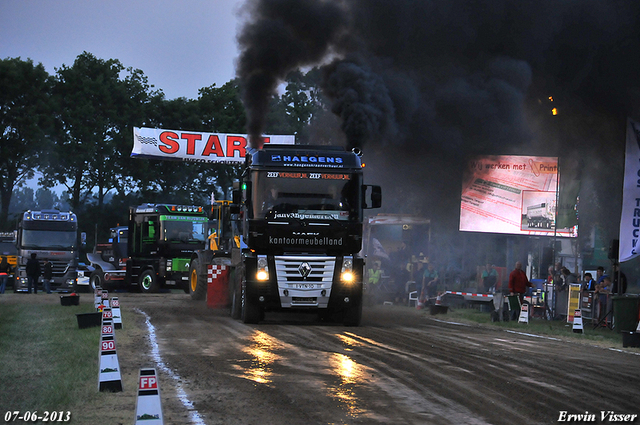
363, 165
551, 98
554, 111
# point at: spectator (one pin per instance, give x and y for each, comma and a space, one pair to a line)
489, 278
603, 290
518, 283
430, 281
374, 275
5, 270
33, 273
600, 275
47, 275
589, 283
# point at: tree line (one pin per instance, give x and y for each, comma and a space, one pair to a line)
74, 128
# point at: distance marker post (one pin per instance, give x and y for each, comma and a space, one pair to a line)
148, 404
105, 298
577, 322
109, 377
117, 315
524, 314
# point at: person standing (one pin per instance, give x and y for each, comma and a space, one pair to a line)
489, 278
518, 283
589, 283
430, 280
47, 275
33, 273
5, 270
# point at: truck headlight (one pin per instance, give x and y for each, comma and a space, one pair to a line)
347, 275
263, 269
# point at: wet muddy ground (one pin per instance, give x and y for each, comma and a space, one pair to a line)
401, 366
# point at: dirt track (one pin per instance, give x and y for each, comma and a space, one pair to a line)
401, 366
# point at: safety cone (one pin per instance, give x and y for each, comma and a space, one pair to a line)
109, 377
577, 322
524, 314
117, 315
148, 405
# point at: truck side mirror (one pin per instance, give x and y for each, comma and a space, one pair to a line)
372, 196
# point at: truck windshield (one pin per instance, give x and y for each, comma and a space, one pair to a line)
304, 195
49, 239
8, 248
183, 229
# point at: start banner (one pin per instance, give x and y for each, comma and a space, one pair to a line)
194, 146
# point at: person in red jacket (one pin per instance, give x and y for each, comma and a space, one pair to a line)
518, 284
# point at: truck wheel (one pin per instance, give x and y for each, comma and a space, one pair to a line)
148, 282
250, 309
353, 315
197, 282
95, 280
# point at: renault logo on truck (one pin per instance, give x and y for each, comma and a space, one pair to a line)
304, 270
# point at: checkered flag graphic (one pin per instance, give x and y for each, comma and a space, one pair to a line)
147, 140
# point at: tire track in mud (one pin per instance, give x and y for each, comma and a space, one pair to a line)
397, 368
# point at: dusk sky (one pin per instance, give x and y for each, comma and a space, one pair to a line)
180, 46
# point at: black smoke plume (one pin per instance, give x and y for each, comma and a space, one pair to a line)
423, 84
282, 35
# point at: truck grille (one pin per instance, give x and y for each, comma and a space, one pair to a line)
302, 279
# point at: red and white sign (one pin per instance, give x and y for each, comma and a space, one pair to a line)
115, 303
180, 145
107, 329
108, 345
148, 383
107, 314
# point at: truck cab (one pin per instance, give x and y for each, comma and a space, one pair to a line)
302, 212
51, 235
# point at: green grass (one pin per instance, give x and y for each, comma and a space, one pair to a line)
46, 362
552, 328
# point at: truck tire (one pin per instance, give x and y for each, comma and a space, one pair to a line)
197, 281
250, 309
148, 282
95, 280
353, 315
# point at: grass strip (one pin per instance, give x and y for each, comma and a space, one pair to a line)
46, 362
553, 328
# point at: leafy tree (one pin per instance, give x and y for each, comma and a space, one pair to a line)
25, 91
221, 109
46, 199
95, 108
23, 200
